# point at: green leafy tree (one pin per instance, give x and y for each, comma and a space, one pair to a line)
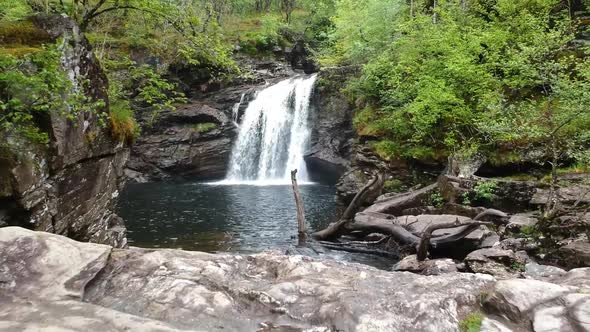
451, 77
33, 87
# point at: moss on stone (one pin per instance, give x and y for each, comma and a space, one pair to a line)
18, 50
22, 33
204, 127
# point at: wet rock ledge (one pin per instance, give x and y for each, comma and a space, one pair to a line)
51, 282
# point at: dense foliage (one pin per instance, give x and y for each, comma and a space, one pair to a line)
137, 41
506, 79
500, 78
31, 86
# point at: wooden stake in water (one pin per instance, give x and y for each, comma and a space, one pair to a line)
300, 210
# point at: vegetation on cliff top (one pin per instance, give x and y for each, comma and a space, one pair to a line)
467, 77
140, 43
496, 78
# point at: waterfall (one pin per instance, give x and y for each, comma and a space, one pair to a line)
273, 135
235, 111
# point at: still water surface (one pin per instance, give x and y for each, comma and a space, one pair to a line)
226, 218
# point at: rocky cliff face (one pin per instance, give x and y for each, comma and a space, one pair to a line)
336, 153
193, 140
332, 133
68, 187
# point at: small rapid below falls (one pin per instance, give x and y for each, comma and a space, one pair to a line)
273, 135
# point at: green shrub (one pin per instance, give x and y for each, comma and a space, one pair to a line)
124, 128
519, 267
436, 200
263, 35
471, 323
11, 10
530, 232
22, 33
485, 190
32, 86
19, 51
385, 149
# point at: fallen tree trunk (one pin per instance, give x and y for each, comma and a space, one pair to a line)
374, 222
396, 204
359, 250
334, 230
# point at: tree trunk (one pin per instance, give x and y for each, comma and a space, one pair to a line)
332, 231
300, 209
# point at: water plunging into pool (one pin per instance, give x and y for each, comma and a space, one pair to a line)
273, 135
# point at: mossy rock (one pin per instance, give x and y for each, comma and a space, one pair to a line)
18, 51
204, 127
22, 33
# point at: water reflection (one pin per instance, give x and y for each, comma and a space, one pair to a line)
222, 218
204, 217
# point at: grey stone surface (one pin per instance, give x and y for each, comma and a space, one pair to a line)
492, 325
493, 261
70, 316
173, 289
567, 195
577, 277
490, 241
427, 267
331, 119
52, 283
174, 146
520, 220
562, 305
573, 255
537, 271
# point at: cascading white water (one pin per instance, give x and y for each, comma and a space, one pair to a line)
273, 134
235, 111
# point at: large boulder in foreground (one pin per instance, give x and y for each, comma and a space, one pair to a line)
56, 283
560, 305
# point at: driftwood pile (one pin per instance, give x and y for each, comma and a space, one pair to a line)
421, 234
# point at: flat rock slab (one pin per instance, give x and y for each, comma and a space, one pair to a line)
164, 290
68, 316
568, 195
537, 271
230, 292
494, 261
428, 267
42, 265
